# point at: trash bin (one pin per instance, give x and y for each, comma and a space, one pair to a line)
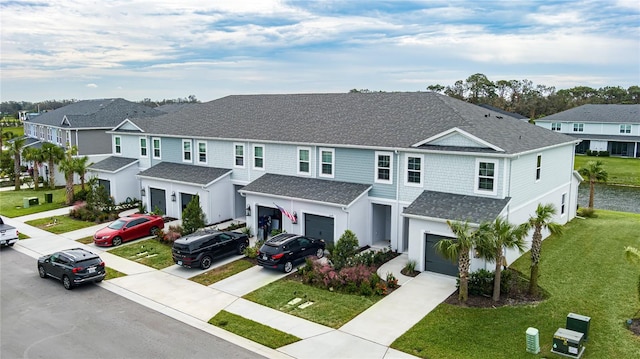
48, 198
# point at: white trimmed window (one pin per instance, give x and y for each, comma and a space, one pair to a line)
384, 167
143, 147
238, 155
563, 204
258, 157
202, 152
556, 126
117, 145
327, 162
59, 137
414, 170
187, 152
485, 181
156, 147
538, 167
578, 127
625, 128
304, 160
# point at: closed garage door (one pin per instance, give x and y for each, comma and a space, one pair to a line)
434, 262
318, 227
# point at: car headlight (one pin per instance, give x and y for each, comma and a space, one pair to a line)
105, 237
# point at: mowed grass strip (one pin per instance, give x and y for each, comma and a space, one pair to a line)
85, 240
584, 272
11, 202
112, 273
149, 252
222, 272
251, 330
623, 171
329, 308
59, 224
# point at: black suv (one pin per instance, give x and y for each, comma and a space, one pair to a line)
200, 248
72, 266
285, 249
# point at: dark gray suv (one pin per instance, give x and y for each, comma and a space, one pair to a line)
72, 266
199, 249
286, 249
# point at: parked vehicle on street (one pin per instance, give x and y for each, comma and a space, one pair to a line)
286, 249
72, 266
201, 248
8, 234
127, 229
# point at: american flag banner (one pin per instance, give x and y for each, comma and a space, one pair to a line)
286, 213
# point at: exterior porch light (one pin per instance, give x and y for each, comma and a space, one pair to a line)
173, 196
295, 218
143, 192
248, 211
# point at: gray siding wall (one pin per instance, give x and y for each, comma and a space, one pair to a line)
93, 142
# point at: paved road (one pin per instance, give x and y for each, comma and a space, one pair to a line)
40, 319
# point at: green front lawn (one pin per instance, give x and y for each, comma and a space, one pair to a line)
85, 240
11, 202
625, 171
112, 273
329, 308
249, 329
584, 272
59, 224
149, 252
222, 272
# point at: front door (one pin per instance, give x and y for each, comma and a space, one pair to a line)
158, 201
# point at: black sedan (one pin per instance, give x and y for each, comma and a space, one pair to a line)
72, 266
287, 249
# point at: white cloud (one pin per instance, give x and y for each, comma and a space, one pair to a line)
92, 85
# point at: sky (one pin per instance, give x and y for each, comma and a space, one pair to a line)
167, 49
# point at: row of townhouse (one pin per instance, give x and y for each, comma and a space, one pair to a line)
391, 167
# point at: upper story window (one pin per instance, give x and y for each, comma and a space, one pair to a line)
625, 128
49, 134
186, 150
156, 147
556, 126
143, 147
327, 158
258, 157
563, 203
578, 127
485, 180
538, 167
414, 171
238, 155
304, 160
202, 152
384, 167
117, 144
59, 137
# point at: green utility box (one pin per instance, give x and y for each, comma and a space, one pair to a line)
48, 198
568, 343
533, 341
29, 201
579, 323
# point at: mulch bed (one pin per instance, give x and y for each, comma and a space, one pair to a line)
635, 326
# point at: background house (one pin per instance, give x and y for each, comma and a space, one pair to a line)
611, 128
392, 167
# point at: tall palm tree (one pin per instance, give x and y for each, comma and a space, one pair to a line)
53, 154
542, 219
6, 136
594, 172
68, 166
81, 164
458, 249
36, 156
497, 236
15, 150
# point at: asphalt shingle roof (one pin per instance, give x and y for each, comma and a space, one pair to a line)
104, 113
456, 207
179, 172
590, 136
311, 189
499, 110
112, 164
380, 120
597, 113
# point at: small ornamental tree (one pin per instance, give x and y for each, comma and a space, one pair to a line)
346, 247
193, 217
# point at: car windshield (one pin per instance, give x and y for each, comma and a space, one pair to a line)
117, 224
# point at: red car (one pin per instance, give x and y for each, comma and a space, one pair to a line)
128, 228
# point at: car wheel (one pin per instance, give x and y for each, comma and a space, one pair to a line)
41, 271
320, 253
99, 280
205, 263
241, 248
66, 282
154, 231
288, 267
116, 241
11, 244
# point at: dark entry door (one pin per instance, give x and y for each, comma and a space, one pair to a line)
158, 200
185, 198
106, 184
434, 262
319, 227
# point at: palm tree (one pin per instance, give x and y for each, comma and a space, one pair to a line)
6, 136
53, 154
457, 249
540, 220
81, 164
36, 156
15, 150
497, 236
594, 172
68, 166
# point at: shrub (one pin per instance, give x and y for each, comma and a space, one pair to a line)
247, 230
365, 288
347, 246
481, 282
603, 154
410, 266
587, 212
193, 217
276, 231
251, 252
392, 281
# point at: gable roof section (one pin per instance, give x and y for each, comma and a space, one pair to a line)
112, 164
188, 174
456, 207
456, 137
597, 114
393, 120
127, 126
337, 193
90, 114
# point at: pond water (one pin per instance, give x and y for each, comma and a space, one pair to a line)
614, 198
